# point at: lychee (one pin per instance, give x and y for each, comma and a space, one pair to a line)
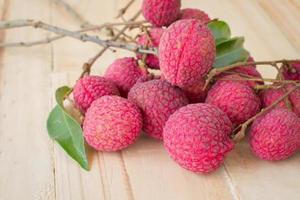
191, 13
276, 135
197, 137
236, 99
112, 123
292, 72
196, 93
186, 52
161, 12
90, 88
269, 96
157, 100
124, 72
151, 39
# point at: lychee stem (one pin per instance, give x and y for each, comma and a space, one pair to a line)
217, 71
237, 136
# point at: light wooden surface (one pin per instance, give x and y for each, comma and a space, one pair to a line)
34, 167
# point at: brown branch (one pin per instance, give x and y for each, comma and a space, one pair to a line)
79, 36
88, 65
123, 10
216, 71
243, 127
54, 38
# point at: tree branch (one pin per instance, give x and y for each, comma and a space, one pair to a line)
76, 35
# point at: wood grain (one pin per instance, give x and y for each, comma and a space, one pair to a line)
33, 167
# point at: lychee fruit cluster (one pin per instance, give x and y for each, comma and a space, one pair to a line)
195, 117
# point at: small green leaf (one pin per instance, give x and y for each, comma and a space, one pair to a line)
220, 30
61, 93
68, 133
231, 51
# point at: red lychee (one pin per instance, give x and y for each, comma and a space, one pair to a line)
191, 13
151, 39
197, 137
157, 100
90, 88
112, 123
236, 99
292, 72
196, 93
186, 52
124, 72
276, 135
269, 96
161, 12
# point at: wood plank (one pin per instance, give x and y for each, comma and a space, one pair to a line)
25, 149
285, 17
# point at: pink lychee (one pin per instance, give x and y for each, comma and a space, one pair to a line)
292, 72
236, 99
186, 52
191, 13
196, 93
151, 39
90, 88
276, 135
161, 12
197, 137
157, 100
124, 72
269, 96
112, 123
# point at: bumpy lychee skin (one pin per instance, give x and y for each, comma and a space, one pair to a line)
112, 123
124, 72
157, 100
151, 40
269, 96
186, 52
276, 135
161, 12
196, 93
293, 72
90, 88
197, 137
191, 13
236, 99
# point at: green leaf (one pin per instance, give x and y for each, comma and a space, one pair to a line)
68, 133
61, 93
231, 51
220, 30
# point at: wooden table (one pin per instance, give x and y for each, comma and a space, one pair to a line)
34, 167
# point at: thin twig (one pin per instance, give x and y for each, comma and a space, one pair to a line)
88, 65
54, 38
216, 71
123, 10
243, 127
79, 36
73, 12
